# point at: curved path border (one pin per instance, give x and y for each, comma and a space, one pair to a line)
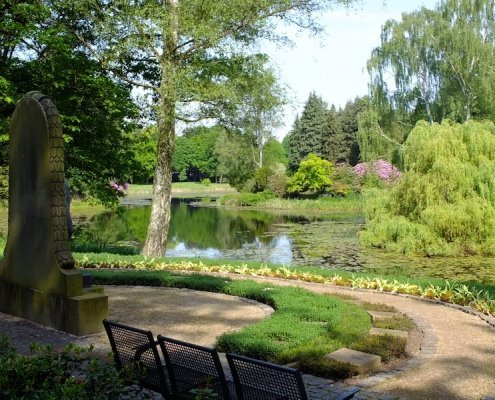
457, 356
456, 360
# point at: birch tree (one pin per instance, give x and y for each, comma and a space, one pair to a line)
195, 57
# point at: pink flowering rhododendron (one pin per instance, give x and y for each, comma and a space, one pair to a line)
119, 188
382, 168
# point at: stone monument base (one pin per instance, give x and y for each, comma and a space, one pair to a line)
80, 315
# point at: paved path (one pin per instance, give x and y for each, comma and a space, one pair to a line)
456, 361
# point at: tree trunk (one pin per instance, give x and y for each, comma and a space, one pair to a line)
156, 238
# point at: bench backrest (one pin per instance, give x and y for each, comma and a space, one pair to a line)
260, 380
132, 346
191, 366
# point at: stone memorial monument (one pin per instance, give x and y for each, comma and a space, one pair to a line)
38, 280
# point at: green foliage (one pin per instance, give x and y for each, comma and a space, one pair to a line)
206, 181
344, 181
235, 160
274, 153
144, 149
312, 176
374, 144
329, 133
445, 202
95, 110
261, 176
440, 62
72, 373
195, 156
277, 181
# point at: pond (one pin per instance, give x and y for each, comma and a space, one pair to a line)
328, 241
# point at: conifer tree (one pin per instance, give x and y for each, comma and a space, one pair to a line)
308, 132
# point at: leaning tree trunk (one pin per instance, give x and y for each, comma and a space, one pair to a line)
156, 238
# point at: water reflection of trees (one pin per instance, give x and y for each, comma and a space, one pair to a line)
203, 228
196, 227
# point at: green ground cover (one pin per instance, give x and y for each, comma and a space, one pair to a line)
304, 327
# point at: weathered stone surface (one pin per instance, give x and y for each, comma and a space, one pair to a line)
363, 362
391, 332
37, 275
381, 315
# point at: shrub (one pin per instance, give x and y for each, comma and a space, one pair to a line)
312, 176
206, 182
261, 179
277, 183
71, 373
376, 173
344, 181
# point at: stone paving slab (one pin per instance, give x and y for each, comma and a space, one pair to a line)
381, 315
363, 362
391, 332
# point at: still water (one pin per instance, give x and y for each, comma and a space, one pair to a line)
328, 241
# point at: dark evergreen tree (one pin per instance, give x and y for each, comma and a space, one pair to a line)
332, 139
348, 118
308, 132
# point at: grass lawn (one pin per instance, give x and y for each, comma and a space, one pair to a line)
196, 188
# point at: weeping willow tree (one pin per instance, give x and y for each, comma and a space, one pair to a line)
444, 203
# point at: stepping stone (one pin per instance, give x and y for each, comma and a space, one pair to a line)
381, 315
363, 362
391, 332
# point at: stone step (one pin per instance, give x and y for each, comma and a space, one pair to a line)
363, 362
391, 332
381, 315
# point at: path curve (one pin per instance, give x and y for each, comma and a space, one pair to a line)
457, 358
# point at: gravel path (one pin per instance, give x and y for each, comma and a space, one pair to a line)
457, 359
456, 362
197, 317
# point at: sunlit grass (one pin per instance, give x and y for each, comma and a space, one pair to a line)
181, 187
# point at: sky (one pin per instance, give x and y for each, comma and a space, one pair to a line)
334, 64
